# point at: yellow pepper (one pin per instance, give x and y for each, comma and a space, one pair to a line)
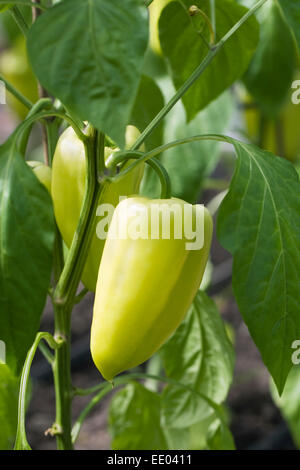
68, 190
42, 172
146, 284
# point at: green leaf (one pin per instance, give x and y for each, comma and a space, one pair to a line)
219, 437
289, 402
291, 10
9, 390
5, 6
90, 56
149, 101
134, 419
203, 435
259, 223
200, 355
26, 245
184, 48
274, 57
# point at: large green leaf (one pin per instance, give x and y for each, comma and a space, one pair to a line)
89, 54
135, 423
270, 74
134, 419
26, 245
291, 10
259, 223
219, 437
184, 48
9, 390
289, 402
200, 355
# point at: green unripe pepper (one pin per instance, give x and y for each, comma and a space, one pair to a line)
146, 284
68, 190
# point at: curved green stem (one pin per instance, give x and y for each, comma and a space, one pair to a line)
67, 285
153, 153
46, 353
213, 15
21, 440
43, 103
166, 190
65, 293
44, 114
16, 93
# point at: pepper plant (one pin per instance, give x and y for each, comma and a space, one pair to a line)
173, 70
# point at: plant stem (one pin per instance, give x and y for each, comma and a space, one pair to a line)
182, 90
81, 295
65, 292
44, 103
164, 178
16, 93
68, 282
213, 15
62, 380
21, 439
153, 153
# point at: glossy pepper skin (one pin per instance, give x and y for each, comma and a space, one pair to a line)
144, 289
68, 190
42, 172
